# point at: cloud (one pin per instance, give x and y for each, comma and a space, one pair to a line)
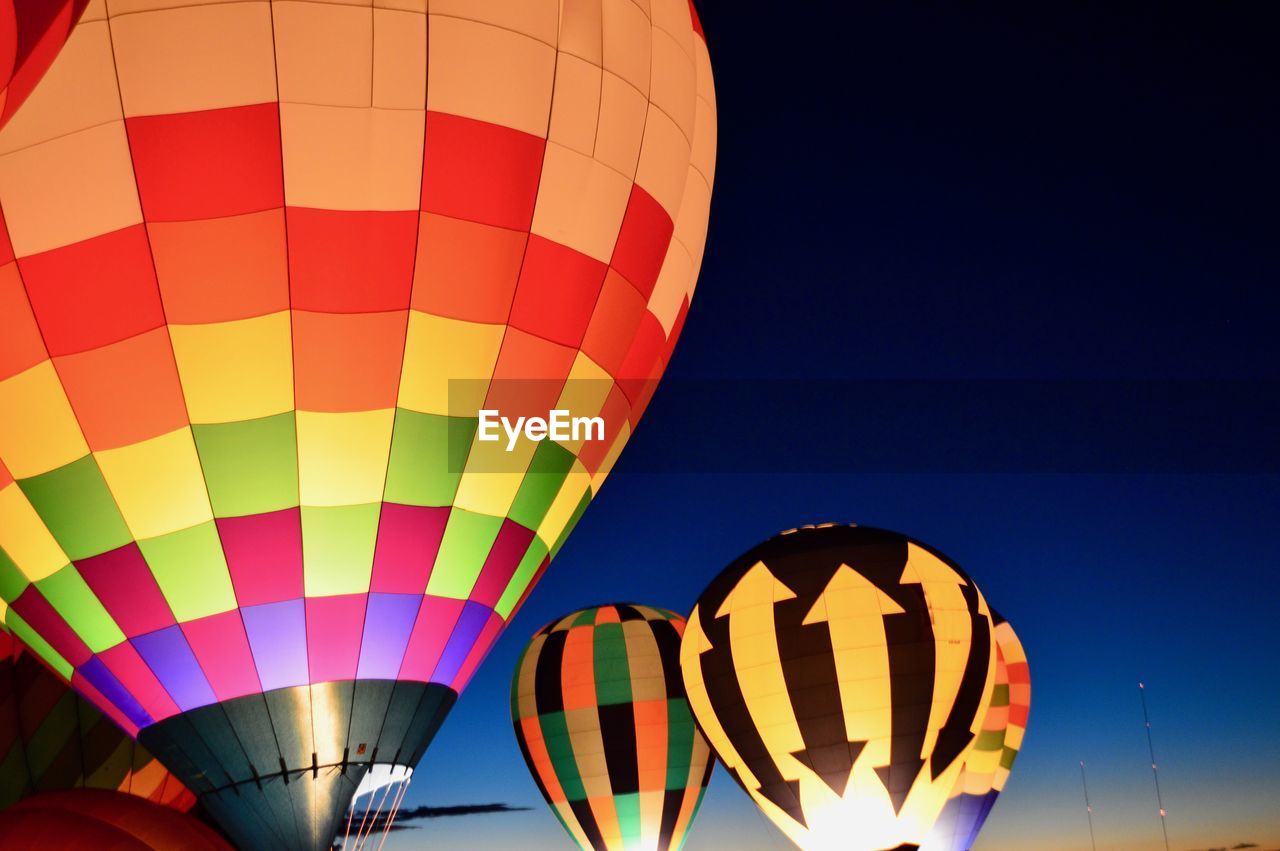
405, 816
1236, 847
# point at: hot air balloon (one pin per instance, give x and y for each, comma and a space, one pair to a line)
265, 264
51, 739
31, 34
602, 720
96, 818
986, 768
841, 674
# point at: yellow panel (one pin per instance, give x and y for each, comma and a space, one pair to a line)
490, 74
627, 35
194, 58
438, 349
576, 104
69, 189
399, 59
158, 484
25, 538
324, 53
580, 202
78, 91
622, 112
342, 458
338, 158
575, 485
584, 394
38, 430
493, 476
237, 370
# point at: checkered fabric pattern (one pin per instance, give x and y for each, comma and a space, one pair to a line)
31, 34
246, 247
601, 717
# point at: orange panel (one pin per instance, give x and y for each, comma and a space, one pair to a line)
347, 361
20, 345
466, 270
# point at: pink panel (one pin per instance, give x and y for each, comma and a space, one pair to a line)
123, 582
408, 539
128, 667
509, 547
431, 632
222, 649
264, 555
334, 627
45, 620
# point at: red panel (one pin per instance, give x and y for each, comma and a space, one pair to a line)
501, 563
642, 241
126, 392
557, 292
467, 270
334, 628
431, 632
480, 172
222, 649
342, 261
94, 292
6, 247
204, 165
641, 367
408, 539
677, 327
123, 582
49, 625
20, 345
614, 323
347, 361
264, 555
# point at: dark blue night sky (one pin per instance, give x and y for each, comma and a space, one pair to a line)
1003, 279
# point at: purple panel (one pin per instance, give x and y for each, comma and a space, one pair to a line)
387, 625
278, 636
169, 656
106, 683
470, 623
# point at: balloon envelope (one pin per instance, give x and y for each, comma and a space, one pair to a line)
986, 768
51, 739
31, 34
602, 720
841, 674
95, 818
265, 264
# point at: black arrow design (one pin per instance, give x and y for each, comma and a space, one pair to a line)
911, 672
955, 734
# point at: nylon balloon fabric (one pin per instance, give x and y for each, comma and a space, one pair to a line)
841, 673
31, 34
51, 739
601, 717
77, 819
987, 767
263, 265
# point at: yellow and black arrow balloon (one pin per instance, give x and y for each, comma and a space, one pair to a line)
841, 673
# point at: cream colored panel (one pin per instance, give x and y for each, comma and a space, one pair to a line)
576, 105
534, 18
675, 281
691, 222
418, 6
128, 7
399, 59
324, 53
490, 74
69, 189
664, 160
673, 82
627, 37
580, 32
201, 57
580, 202
622, 111
341, 158
672, 17
79, 91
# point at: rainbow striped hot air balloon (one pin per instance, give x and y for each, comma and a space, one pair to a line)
263, 264
51, 739
986, 768
601, 716
31, 34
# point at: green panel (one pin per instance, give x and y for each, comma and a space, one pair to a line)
12, 581
428, 453
521, 578
1000, 697
337, 548
628, 807
586, 617
76, 505
468, 538
1007, 757
612, 673
679, 742
191, 571
56, 729
36, 644
989, 740
573, 521
555, 734
71, 597
251, 467
542, 481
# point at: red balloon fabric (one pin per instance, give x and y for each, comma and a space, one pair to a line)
104, 821
31, 34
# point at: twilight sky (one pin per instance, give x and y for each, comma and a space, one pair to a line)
1004, 281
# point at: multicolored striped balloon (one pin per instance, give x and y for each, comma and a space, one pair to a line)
987, 767
31, 34
52, 739
263, 264
602, 720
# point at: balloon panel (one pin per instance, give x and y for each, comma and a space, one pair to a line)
51, 739
31, 34
248, 334
96, 818
841, 674
602, 720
